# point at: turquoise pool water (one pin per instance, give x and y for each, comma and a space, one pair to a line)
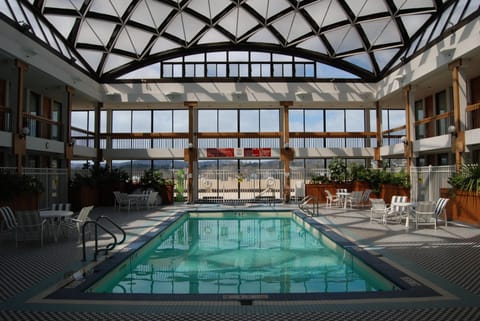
241, 253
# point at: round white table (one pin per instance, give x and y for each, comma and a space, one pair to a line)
342, 196
54, 218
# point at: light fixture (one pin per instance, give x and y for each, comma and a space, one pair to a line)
24, 132
190, 146
24, 26
452, 130
447, 51
404, 140
301, 94
173, 95
72, 142
286, 145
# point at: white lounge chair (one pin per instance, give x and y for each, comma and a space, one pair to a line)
331, 199
123, 201
355, 198
30, 225
378, 210
76, 223
366, 197
397, 210
424, 214
440, 208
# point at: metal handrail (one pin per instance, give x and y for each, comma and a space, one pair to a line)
109, 246
124, 235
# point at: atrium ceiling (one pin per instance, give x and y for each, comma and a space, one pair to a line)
108, 39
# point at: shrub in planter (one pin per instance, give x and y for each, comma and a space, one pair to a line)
20, 192
153, 179
95, 184
465, 198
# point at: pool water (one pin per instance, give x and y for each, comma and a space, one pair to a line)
241, 253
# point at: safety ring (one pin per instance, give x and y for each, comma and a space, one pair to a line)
270, 181
206, 183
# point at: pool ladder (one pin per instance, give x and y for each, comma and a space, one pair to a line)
97, 225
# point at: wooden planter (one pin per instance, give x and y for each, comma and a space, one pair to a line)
318, 190
84, 195
462, 206
166, 193
388, 190
22, 202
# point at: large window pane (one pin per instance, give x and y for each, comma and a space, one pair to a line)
355, 120
121, 121
335, 121
162, 121
207, 120
269, 120
180, 121
227, 121
249, 121
295, 120
141, 121
314, 120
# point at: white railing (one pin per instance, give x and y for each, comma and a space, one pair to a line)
427, 180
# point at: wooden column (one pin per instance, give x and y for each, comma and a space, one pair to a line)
286, 152
408, 124
191, 153
68, 131
458, 138
19, 138
96, 141
378, 118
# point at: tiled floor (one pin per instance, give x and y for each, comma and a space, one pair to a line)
447, 259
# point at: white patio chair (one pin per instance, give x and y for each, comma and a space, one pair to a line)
366, 197
440, 208
354, 199
8, 223
76, 223
30, 225
397, 210
424, 214
331, 199
378, 210
123, 201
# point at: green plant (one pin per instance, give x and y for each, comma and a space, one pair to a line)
319, 179
93, 175
13, 184
468, 179
358, 172
338, 170
154, 179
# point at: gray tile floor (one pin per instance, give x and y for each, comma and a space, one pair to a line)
447, 259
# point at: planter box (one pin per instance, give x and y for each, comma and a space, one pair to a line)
387, 191
166, 193
462, 206
83, 196
22, 202
318, 190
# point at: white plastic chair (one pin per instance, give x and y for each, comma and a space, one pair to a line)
424, 214
76, 223
440, 208
378, 210
331, 199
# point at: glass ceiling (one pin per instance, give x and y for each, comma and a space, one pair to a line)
111, 38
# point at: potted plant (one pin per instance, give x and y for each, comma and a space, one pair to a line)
464, 200
20, 192
95, 184
153, 179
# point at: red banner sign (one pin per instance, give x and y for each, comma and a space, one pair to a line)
238, 152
